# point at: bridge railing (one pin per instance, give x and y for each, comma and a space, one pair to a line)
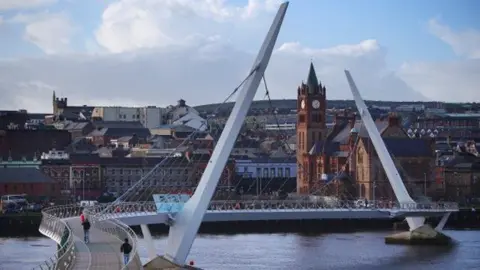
118, 230
57, 229
138, 208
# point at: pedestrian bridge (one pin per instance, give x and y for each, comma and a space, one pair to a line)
110, 224
62, 224
219, 211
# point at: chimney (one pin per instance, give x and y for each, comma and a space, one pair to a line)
394, 120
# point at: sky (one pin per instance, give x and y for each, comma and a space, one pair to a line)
154, 52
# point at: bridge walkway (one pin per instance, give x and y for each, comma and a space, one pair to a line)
102, 253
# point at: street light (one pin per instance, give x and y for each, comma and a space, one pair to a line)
425, 184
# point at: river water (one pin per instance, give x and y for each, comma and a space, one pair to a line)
286, 252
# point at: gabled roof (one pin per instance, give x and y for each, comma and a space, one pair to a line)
117, 124
121, 132
321, 147
76, 126
405, 147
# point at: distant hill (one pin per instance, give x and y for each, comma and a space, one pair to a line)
292, 104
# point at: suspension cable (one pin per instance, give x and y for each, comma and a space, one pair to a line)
193, 134
130, 192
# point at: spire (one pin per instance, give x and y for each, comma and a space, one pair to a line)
54, 96
312, 81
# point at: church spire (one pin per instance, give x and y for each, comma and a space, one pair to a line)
312, 81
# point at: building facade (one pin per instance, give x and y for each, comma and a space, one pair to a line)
150, 116
25, 177
311, 129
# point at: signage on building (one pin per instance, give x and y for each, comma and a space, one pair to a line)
170, 203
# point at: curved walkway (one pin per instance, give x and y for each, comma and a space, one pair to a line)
103, 251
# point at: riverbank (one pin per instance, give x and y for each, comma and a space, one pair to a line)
26, 224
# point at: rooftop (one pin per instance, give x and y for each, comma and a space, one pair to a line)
22, 175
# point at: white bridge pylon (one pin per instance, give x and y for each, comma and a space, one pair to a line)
387, 162
184, 229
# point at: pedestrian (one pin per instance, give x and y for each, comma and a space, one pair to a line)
86, 230
126, 248
82, 217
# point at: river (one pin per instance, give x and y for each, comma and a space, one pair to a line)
287, 251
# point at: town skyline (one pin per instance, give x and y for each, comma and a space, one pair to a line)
127, 53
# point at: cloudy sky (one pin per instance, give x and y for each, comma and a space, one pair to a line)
154, 52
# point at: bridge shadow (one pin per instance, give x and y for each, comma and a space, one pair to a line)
301, 227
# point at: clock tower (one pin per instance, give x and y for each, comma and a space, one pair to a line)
311, 128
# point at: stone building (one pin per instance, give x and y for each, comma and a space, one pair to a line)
414, 158
344, 154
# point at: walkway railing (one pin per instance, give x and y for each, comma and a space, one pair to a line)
120, 231
149, 207
57, 229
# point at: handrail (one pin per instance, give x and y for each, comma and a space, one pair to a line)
120, 231
266, 205
58, 230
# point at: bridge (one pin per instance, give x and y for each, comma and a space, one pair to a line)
110, 222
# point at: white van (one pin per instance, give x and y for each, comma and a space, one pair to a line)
88, 203
13, 198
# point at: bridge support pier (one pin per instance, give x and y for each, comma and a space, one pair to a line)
423, 235
442, 222
147, 236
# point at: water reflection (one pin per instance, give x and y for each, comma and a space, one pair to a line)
359, 251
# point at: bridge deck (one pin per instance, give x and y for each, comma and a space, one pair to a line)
103, 251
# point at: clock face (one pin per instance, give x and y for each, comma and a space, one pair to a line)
302, 104
316, 104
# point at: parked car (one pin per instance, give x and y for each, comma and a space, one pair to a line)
14, 198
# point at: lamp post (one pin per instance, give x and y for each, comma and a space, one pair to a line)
425, 184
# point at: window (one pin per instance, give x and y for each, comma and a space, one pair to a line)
272, 172
316, 118
280, 172
265, 172
301, 118
287, 172
259, 172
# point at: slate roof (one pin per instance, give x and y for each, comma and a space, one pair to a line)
23, 175
406, 147
117, 124
121, 132
324, 147
341, 132
177, 128
76, 125
73, 112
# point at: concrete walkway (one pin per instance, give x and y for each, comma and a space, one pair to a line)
103, 251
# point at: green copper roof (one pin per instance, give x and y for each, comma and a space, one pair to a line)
312, 81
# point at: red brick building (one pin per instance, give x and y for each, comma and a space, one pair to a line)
345, 154
26, 178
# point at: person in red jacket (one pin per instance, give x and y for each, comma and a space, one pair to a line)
82, 217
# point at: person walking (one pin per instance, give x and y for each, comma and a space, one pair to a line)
86, 230
82, 217
126, 248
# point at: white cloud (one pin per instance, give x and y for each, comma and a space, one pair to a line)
129, 25
52, 33
448, 80
464, 43
160, 51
